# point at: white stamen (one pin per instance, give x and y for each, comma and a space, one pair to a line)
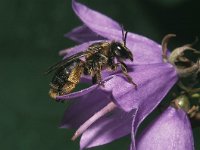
105, 110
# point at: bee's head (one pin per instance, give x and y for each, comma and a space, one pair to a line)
120, 51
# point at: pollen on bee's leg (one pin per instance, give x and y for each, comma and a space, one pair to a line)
105, 110
68, 87
53, 93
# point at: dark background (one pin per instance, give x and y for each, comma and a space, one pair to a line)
31, 35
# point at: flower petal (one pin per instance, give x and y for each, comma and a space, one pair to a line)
102, 25
145, 51
153, 82
107, 129
171, 130
84, 91
83, 34
83, 108
88, 15
78, 93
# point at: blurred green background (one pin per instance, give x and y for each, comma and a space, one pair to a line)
32, 34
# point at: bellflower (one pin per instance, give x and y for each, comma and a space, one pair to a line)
171, 130
127, 106
134, 105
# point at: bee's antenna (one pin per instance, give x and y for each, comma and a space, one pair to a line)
122, 32
124, 35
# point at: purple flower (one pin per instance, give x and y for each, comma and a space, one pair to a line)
104, 114
153, 80
130, 106
171, 130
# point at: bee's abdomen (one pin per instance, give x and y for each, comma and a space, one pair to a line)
62, 74
60, 77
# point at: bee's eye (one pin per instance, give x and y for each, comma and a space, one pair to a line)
119, 48
116, 49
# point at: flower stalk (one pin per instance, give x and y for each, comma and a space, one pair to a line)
164, 46
185, 67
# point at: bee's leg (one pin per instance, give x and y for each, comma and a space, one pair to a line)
125, 72
94, 79
68, 87
53, 93
96, 72
115, 66
97, 78
86, 71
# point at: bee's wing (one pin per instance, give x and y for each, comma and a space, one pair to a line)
65, 61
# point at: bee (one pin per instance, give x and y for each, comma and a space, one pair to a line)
97, 57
